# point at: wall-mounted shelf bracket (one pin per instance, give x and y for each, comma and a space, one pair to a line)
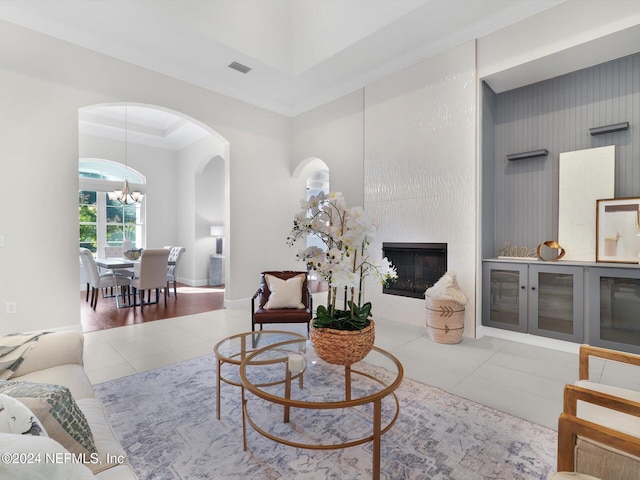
543, 152
616, 127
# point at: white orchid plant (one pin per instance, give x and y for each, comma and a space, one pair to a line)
345, 261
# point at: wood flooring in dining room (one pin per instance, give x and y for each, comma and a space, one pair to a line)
190, 300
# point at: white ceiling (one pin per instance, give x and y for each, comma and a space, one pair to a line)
303, 53
142, 125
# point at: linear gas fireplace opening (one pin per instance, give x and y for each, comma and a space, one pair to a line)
419, 266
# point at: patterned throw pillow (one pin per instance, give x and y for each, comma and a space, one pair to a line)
57, 411
15, 417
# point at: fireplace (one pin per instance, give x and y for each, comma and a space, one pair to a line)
419, 266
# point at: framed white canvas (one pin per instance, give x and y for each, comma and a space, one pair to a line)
584, 177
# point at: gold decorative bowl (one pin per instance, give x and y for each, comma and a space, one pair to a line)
132, 254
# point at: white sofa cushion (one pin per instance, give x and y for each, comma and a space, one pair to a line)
110, 452
53, 349
71, 376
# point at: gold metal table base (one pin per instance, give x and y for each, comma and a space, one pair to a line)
375, 399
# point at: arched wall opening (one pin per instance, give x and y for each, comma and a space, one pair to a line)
316, 174
185, 164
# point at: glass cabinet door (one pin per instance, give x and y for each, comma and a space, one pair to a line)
556, 306
505, 296
614, 303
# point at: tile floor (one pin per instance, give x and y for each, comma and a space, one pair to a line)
523, 380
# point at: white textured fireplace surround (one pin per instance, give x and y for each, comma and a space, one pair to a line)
420, 169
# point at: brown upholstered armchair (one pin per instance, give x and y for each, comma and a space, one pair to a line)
283, 297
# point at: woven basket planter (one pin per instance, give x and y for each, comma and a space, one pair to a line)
445, 320
342, 347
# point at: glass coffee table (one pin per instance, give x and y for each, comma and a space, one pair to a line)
335, 407
233, 350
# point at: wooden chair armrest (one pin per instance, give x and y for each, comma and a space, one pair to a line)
587, 351
570, 426
573, 393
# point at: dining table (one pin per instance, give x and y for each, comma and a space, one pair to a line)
116, 263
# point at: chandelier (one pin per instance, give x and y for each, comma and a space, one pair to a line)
125, 195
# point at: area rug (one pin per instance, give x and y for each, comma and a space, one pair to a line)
166, 421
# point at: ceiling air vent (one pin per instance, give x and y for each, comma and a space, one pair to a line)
239, 67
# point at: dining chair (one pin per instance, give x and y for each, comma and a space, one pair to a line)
112, 252
98, 281
152, 275
175, 254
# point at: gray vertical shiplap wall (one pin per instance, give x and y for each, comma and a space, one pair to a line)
488, 170
556, 114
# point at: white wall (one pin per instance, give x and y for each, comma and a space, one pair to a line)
210, 206
334, 134
192, 229
411, 139
420, 169
48, 81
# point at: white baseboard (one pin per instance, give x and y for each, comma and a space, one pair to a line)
529, 339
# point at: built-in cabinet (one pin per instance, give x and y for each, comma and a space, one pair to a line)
582, 302
614, 306
536, 298
521, 205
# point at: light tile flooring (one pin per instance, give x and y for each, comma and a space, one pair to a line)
523, 380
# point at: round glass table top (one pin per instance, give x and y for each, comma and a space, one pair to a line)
323, 385
234, 349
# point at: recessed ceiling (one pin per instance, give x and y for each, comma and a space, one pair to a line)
142, 125
302, 53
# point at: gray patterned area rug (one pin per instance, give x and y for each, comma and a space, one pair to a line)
166, 421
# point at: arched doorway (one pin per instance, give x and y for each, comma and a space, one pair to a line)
317, 179
167, 148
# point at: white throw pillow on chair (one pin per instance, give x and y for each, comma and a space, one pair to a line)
284, 293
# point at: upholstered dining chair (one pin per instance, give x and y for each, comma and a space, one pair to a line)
116, 252
152, 275
175, 254
98, 281
112, 252
599, 429
283, 297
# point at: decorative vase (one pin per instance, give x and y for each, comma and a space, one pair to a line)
127, 244
342, 347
